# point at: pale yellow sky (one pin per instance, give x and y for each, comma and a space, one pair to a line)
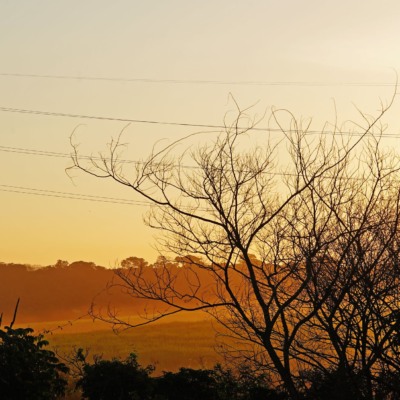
314, 41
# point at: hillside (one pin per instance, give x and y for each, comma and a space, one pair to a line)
53, 293
65, 292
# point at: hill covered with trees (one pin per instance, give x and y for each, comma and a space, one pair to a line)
58, 292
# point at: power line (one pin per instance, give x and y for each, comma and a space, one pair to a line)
199, 81
72, 196
44, 153
101, 118
191, 125
20, 150
86, 157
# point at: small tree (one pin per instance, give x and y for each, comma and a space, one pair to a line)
27, 370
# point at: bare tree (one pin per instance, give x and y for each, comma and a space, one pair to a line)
355, 280
297, 263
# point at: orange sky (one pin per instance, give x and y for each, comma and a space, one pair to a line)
334, 45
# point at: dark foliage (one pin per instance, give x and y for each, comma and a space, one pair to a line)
187, 384
27, 370
127, 380
245, 384
116, 379
388, 386
215, 384
344, 385
339, 384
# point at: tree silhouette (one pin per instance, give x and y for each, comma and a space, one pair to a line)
291, 244
27, 370
115, 379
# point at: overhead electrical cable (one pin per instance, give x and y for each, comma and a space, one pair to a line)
68, 195
184, 124
78, 196
44, 153
198, 81
101, 118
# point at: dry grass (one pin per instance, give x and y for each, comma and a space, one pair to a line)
169, 345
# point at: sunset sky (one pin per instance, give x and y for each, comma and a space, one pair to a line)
166, 61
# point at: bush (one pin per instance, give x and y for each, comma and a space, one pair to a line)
215, 384
337, 384
27, 370
187, 384
245, 384
127, 380
116, 379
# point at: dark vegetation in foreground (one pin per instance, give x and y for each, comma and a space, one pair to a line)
29, 371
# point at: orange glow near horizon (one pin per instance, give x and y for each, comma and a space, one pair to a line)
325, 50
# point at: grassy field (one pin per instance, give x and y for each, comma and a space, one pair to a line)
168, 345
